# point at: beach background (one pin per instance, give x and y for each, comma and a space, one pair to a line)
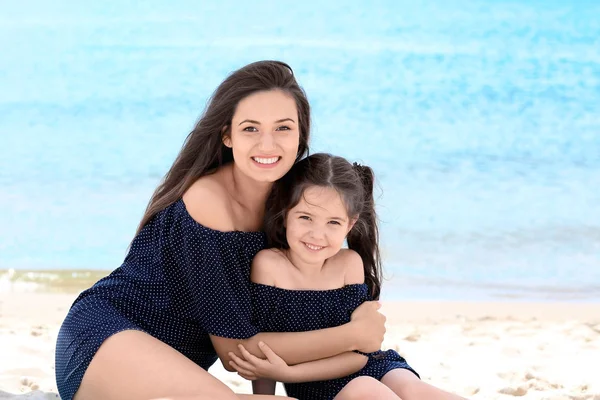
480, 118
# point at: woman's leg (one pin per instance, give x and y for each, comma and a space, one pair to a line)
406, 385
365, 388
133, 365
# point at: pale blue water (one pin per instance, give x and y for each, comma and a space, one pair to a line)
481, 118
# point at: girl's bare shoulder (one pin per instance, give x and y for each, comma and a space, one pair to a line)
268, 266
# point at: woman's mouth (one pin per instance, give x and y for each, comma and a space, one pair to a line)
266, 162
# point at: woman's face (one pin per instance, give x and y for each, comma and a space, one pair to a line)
264, 135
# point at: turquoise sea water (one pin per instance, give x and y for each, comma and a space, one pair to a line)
480, 118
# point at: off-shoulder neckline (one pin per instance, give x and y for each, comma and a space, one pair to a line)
180, 203
340, 289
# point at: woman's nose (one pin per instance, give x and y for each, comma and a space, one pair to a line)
267, 142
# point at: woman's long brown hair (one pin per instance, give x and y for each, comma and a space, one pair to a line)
203, 150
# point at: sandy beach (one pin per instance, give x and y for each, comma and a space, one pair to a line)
480, 350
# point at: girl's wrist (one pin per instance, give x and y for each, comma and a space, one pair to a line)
349, 336
292, 376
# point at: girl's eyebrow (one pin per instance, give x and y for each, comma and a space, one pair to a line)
310, 215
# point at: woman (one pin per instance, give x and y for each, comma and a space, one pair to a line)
153, 327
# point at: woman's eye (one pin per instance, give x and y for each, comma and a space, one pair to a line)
250, 129
283, 128
305, 217
335, 222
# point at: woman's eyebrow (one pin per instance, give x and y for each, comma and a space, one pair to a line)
258, 123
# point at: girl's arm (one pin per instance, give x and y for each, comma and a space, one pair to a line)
364, 332
328, 368
273, 367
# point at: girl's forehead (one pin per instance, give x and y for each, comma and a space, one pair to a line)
321, 200
320, 194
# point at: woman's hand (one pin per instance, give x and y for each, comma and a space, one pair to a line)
252, 368
369, 326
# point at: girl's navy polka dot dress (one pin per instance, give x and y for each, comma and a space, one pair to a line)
283, 310
180, 282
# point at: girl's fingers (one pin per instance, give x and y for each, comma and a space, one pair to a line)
249, 356
241, 371
270, 354
242, 363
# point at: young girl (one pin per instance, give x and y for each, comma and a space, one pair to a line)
306, 281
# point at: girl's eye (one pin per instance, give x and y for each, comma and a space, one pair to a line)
250, 129
305, 217
335, 222
283, 128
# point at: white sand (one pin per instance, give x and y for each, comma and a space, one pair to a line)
479, 350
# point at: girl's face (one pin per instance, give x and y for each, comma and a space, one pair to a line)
317, 226
265, 135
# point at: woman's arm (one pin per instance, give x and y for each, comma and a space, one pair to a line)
364, 332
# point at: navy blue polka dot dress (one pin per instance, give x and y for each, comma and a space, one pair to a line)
180, 282
283, 310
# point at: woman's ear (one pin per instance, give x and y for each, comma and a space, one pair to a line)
226, 136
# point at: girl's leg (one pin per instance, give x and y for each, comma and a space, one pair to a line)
365, 388
133, 365
406, 385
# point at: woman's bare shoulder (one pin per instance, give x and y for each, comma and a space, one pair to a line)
208, 202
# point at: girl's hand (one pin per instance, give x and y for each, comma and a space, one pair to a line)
369, 326
252, 367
